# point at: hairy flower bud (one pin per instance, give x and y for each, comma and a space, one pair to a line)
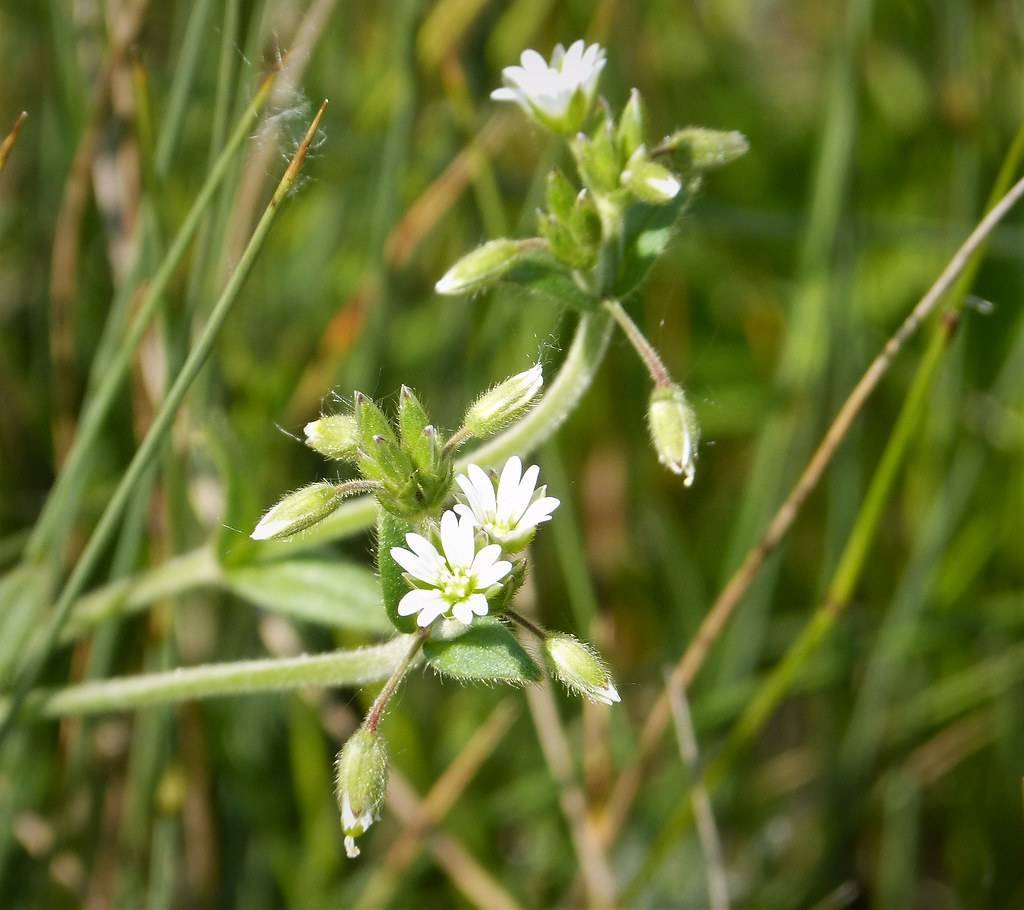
484, 266
298, 511
648, 180
632, 125
361, 779
674, 431
504, 403
579, 668
703, 149
333, 436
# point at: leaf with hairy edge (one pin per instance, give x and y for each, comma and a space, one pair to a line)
486, 652
391, 531
647, 232
331, 593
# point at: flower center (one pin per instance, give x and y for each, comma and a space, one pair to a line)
458, 585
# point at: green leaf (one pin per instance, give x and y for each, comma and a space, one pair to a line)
329, 592
486, 652
647, 232
391, 531
541, 275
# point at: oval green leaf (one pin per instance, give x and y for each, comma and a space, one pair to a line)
486, 652
328, 592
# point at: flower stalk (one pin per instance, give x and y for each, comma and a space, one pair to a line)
394, 681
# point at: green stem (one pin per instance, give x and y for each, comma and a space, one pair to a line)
527, 624
355, 667
394, 681
192, 569
652, 360
158, 431
101, 404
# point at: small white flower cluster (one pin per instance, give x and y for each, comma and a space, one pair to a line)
459, 579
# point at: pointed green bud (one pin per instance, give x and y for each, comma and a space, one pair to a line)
579, 668
412, 421
504, 403
560, 195
298, 511
703, 149
371, 422
361, 781
675, 432
597, 158
484, 266
632, 125
333, 436
563, 244
648, 181
379, 455
585, 222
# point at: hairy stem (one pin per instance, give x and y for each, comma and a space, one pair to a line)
394, 681
356, 667
652, 360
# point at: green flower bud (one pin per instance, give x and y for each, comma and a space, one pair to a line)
560, 195
298, 511
703, 149
598, 159
579, 668
674, 431
504, 403
361, 780
563, 243
333, 436
484, 266
632, 125
648, 181
413, 421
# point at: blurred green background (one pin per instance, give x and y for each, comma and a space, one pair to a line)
892, 775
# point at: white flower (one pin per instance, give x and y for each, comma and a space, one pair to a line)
558, 95
456, 581
510, 516
352, 822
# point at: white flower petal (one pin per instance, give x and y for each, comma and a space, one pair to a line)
430, 612
415, 566
478, 604
507, 94
418, 600
486, 558
457, 540
425, 550
531, 60
484, 488
508, 485
492, 574
524, 493
463, 612
537, 512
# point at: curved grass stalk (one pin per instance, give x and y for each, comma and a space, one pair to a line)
148, 450
100, 405
356, 667
959, 267
959, 274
